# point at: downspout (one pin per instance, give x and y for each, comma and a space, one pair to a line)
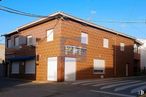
115, 63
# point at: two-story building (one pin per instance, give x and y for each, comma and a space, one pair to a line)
62, 47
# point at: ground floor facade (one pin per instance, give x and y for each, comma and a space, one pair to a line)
67, 69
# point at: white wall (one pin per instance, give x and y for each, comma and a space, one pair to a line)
143, 53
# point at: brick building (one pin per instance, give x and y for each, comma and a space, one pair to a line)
65, 48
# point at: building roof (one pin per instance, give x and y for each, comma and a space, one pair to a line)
55, 15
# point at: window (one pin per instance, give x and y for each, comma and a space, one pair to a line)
99, 66
69, 49
74, 50
29, 40
105, 43
50, 35
122, 46
9, 44
15, 68
84, 38
135, 48
16, 41
30, 67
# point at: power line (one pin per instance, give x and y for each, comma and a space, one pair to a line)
127, 22
14, 11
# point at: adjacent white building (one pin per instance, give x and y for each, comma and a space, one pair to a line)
143, 54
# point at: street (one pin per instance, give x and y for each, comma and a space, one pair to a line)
108, 87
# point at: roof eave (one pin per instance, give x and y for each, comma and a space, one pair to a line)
71, 17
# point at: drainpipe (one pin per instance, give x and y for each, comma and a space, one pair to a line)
115, 45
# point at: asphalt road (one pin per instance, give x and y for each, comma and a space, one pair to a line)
111, 87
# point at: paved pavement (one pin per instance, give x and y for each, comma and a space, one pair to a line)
111, 87
125, 87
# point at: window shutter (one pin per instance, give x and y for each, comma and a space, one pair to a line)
50, 35
33, 41
105, 43
15, 68
99, 66
122, 46
84, 38
22, 40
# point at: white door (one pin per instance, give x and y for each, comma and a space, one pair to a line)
70, 69
52, 68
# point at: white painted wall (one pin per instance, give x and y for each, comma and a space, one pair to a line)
143, 53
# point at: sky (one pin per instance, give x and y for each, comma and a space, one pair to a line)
99, 12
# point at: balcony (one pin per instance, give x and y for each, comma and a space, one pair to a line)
22, 50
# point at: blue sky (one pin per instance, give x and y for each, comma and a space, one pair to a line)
93, 10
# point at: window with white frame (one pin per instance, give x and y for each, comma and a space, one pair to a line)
122, 46
135, 48
15, 68
29, 40
9, 44
105, 43
30, 67
99, 66
50, 35
16, 41
84, 38
74, 50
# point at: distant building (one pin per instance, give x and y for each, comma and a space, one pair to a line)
143, 54
62, 47
2, 58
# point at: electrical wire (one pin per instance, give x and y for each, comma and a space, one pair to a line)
127, 22
14, 11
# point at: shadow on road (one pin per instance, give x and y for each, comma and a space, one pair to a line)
8, 83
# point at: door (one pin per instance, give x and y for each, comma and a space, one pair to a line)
70, 69
1, 70
52, 69
126, 69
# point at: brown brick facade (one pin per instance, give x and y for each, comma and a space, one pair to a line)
68, 32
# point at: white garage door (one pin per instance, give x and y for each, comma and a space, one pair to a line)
52, 69
70, 69
15, 68
30, 67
